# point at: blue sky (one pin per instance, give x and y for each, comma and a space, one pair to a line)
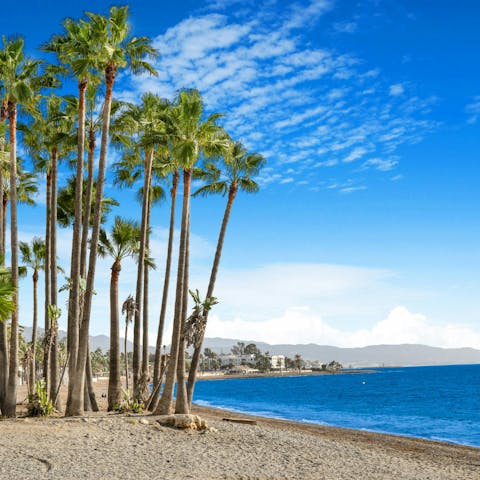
366, 229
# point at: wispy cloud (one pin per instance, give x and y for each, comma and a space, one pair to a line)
473, 110
397, 89
283, 96
345, 27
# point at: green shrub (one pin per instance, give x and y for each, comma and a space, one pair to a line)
38, 403
128, 405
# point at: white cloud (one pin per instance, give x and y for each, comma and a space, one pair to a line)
396, 90
302, 14
355, 154
473, 109
383, 165
345, 27
265, 291
301, 325
254, 65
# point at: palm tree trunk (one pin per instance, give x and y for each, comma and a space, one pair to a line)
181, 401
165, 403
92, 400
3, 325
144, 394
46, 351
114, 384
53, 282
74, 406
34, 331
140, 279
4, 219
126, 355
166, 283
192, 374
74, 297
89, 395
11, 397
88, 202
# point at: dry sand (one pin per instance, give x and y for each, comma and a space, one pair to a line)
106, 446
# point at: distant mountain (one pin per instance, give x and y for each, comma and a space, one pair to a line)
374, 355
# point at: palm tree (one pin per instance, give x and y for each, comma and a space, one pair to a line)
123, 242
237, 172
4, 159
49, 139
143, 122
115, 51
33, 256
77, 48
166, 284
128, 309
190, 137
19, 77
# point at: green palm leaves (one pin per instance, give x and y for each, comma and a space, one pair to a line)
33, 255
17, 72
7, 305
238, 169
115, 48
123, 240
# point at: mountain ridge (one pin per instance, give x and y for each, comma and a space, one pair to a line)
369, 356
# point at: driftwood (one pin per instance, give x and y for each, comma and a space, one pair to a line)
240, 420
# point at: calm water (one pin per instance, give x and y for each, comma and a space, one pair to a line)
438, 403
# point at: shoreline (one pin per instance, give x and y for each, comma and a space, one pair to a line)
284, 374
325, 430
110, 446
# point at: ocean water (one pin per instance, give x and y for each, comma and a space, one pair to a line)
437, 403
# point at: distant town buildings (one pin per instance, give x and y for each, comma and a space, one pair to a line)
248, 359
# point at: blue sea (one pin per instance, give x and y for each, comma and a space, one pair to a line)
436, 403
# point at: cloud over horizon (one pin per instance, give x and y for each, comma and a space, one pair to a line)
302, 326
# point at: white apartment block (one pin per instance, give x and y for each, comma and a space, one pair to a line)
277, 362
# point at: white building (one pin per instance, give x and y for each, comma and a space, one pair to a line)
277, 362
237, 360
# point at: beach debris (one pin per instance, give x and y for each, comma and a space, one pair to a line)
183, 421
240, 420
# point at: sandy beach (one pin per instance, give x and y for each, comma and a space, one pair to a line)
108, 446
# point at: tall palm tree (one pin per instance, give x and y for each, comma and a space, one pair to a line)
77, 48
123, 242
166, 284
20, 78
143, 122
49, 139
33, 256
4, 160
191, 137
128, 309
116, 50
236, 174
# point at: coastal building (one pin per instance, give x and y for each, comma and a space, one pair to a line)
277, 362
236, 360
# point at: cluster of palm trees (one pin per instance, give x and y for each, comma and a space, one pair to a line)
162, 142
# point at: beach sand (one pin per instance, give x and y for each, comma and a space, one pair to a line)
108, 446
